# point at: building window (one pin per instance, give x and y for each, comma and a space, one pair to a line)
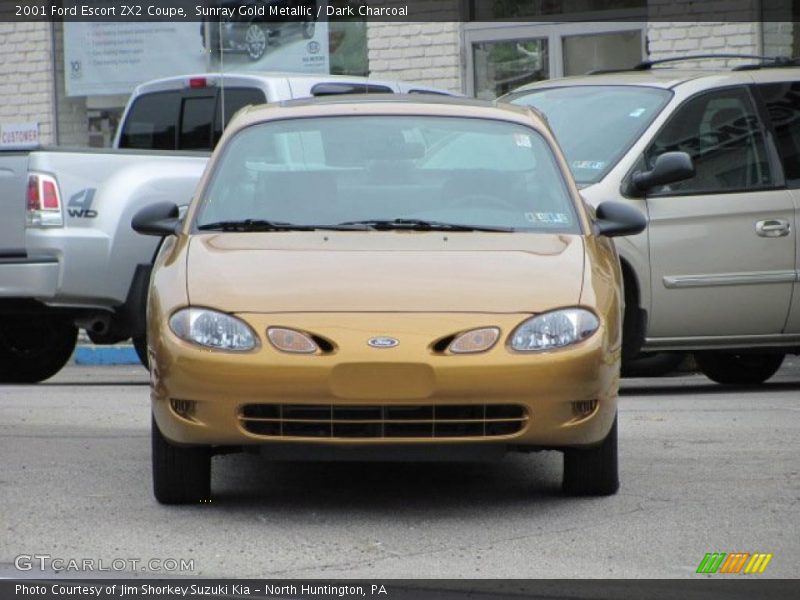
503, 66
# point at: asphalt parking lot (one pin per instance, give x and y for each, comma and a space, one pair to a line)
703, 468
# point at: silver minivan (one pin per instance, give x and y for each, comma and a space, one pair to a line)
712, 157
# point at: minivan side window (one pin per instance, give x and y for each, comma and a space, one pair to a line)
783, 105
721, 131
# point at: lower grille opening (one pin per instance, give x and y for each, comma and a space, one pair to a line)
383, 420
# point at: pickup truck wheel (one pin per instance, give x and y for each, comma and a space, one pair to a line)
732, 368
36, 349
255, 39
593, 471
140, 345
652, 364
181, 475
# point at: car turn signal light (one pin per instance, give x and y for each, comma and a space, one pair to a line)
290, 340
475, 340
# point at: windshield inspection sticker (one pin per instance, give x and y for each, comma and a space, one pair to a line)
594, 165
547, 218
522, 140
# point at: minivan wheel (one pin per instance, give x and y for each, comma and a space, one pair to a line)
593, 471
738, 368
255, 40
35, 349
181, 475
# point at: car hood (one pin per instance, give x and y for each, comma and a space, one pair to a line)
384, 271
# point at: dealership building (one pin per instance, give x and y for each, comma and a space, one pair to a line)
66, 83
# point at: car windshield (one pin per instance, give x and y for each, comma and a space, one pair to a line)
595, 125
388, 172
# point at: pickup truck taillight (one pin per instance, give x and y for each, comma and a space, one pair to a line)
44, 202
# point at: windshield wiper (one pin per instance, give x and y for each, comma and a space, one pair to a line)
422, 225
264, 225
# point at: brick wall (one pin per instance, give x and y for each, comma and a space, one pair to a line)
779, 39
428, 53
423, 53
26, 76
667, 39
27, 84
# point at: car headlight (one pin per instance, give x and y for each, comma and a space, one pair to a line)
212, 329
554, 329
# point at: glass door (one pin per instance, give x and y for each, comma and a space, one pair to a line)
503, 66
501, 57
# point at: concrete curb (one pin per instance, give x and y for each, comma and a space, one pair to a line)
105, 355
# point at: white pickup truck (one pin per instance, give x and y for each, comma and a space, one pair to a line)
68, 256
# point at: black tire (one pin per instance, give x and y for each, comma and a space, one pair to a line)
140, 345
738, 368
256, 39
35, 348
652, 364
181, 475
593, 471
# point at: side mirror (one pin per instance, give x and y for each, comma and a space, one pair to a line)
615, 219
160, 219
670, 167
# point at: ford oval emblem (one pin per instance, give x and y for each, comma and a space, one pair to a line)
383, 342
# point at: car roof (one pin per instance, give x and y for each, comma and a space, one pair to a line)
659, 77
387, 104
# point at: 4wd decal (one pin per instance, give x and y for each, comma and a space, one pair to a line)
80, 205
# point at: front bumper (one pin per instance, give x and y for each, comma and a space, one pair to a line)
380, 384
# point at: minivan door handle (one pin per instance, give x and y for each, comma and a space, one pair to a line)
772, 228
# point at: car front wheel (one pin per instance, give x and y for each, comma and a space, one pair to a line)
181, 475
593, 471
255, 39
732, 368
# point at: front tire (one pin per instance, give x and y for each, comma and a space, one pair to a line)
256, 38
35, 349
181, 475
140, 345
733, 368
593, 471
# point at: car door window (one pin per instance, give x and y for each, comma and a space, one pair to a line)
721, 131
783, 106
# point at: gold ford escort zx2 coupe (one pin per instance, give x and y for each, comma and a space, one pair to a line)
404, 274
